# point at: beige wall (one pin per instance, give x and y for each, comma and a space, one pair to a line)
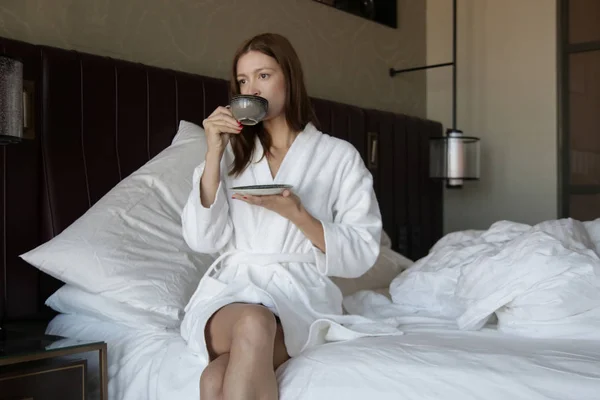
507, 95
345, 58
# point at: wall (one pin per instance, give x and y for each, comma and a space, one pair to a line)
345, 58
507, 96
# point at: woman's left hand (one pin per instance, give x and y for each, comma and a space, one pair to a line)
289, 206
286, 204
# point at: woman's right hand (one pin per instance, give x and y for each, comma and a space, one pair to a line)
218, 126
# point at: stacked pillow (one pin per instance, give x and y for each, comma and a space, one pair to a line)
125, 259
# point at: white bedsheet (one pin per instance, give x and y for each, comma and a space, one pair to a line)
431, 363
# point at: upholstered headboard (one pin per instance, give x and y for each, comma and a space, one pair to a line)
99, 119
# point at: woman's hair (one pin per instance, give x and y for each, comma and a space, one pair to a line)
298, 109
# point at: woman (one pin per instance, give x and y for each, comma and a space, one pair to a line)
269, 295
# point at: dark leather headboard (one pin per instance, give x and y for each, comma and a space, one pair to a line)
99, 119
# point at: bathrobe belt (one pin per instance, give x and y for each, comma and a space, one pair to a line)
243, 257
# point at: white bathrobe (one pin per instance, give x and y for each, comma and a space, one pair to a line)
265, 259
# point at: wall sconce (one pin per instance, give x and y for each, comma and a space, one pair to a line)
16, 103
454, 157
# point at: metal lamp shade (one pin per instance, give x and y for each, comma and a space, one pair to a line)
454, 158
11, 100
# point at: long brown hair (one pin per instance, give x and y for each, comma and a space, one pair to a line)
298, 109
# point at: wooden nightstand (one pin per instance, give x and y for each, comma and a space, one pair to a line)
44, 367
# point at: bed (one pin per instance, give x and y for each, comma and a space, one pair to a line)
99, 122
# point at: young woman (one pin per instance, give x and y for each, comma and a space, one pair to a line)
269, 295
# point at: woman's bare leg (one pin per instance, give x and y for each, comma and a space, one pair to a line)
255, 346
250, 374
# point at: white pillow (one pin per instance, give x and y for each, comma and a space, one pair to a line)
70, 299
129, 246
388, 265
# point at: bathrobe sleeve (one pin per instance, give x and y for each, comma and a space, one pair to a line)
352, 239
206, 230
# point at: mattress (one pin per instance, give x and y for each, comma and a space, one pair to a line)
424, 363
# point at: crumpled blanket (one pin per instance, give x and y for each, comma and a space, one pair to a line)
539, 281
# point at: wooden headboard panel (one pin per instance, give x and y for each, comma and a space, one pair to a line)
99, 119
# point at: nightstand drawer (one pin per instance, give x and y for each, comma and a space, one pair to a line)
46, 380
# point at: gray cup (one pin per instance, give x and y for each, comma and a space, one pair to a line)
248, 109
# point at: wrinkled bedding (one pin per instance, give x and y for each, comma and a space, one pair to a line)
536, 281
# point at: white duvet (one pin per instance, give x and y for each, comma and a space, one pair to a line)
423, 364
538, 281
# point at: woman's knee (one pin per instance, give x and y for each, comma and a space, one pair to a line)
251, 322
256, 324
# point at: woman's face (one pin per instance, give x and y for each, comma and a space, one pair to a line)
260, 75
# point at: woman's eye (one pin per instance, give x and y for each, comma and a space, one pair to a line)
264, 76
241, 81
